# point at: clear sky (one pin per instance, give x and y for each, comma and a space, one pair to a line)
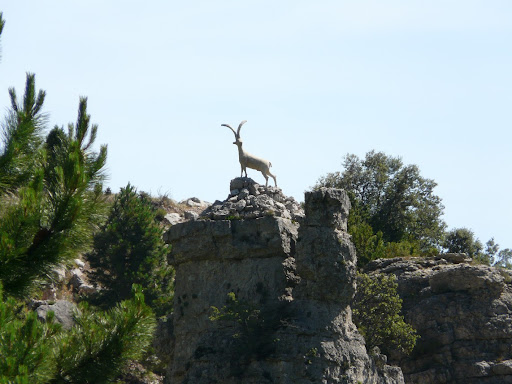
429, 81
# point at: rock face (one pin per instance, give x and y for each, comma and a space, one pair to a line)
463, 314
293, 283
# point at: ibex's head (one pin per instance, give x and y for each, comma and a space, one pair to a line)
238, 140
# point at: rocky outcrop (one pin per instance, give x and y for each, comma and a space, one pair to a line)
170, 212
292, 277
249, 200
66, 280
463, 313
322, 318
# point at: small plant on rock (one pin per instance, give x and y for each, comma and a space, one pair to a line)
255, 327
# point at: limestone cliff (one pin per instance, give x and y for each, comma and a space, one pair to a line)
293, 276
463, 313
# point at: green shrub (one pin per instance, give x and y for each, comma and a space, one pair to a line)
376, 312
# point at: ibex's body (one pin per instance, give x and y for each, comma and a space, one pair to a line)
249, 161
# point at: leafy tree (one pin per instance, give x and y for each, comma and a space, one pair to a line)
369, 245
491, 249
391, 204
495, 256
376, 310
129, 249
50, 191
504, 258
462, 240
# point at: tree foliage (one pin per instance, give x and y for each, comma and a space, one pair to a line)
503, 258
394, 208
22, 156
129, 249
463, 240
50, 191
51, 202
95, 350
376, 310
26, 344
50, 205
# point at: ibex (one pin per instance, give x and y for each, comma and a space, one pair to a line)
249, 161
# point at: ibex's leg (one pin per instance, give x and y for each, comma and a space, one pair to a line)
266, 179
275, 181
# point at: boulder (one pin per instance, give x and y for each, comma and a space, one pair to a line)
173, 218
62, 309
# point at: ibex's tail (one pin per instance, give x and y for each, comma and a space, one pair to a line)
269, 164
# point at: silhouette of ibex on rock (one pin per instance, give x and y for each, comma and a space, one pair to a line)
249, 161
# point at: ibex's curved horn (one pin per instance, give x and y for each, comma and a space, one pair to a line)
227, 125
239, 127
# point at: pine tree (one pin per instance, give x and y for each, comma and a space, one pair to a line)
23, 135
94, 351
26, 345
99, 346
129, 249
50, 203
50, 191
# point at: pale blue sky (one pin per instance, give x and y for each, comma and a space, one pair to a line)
430, 81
